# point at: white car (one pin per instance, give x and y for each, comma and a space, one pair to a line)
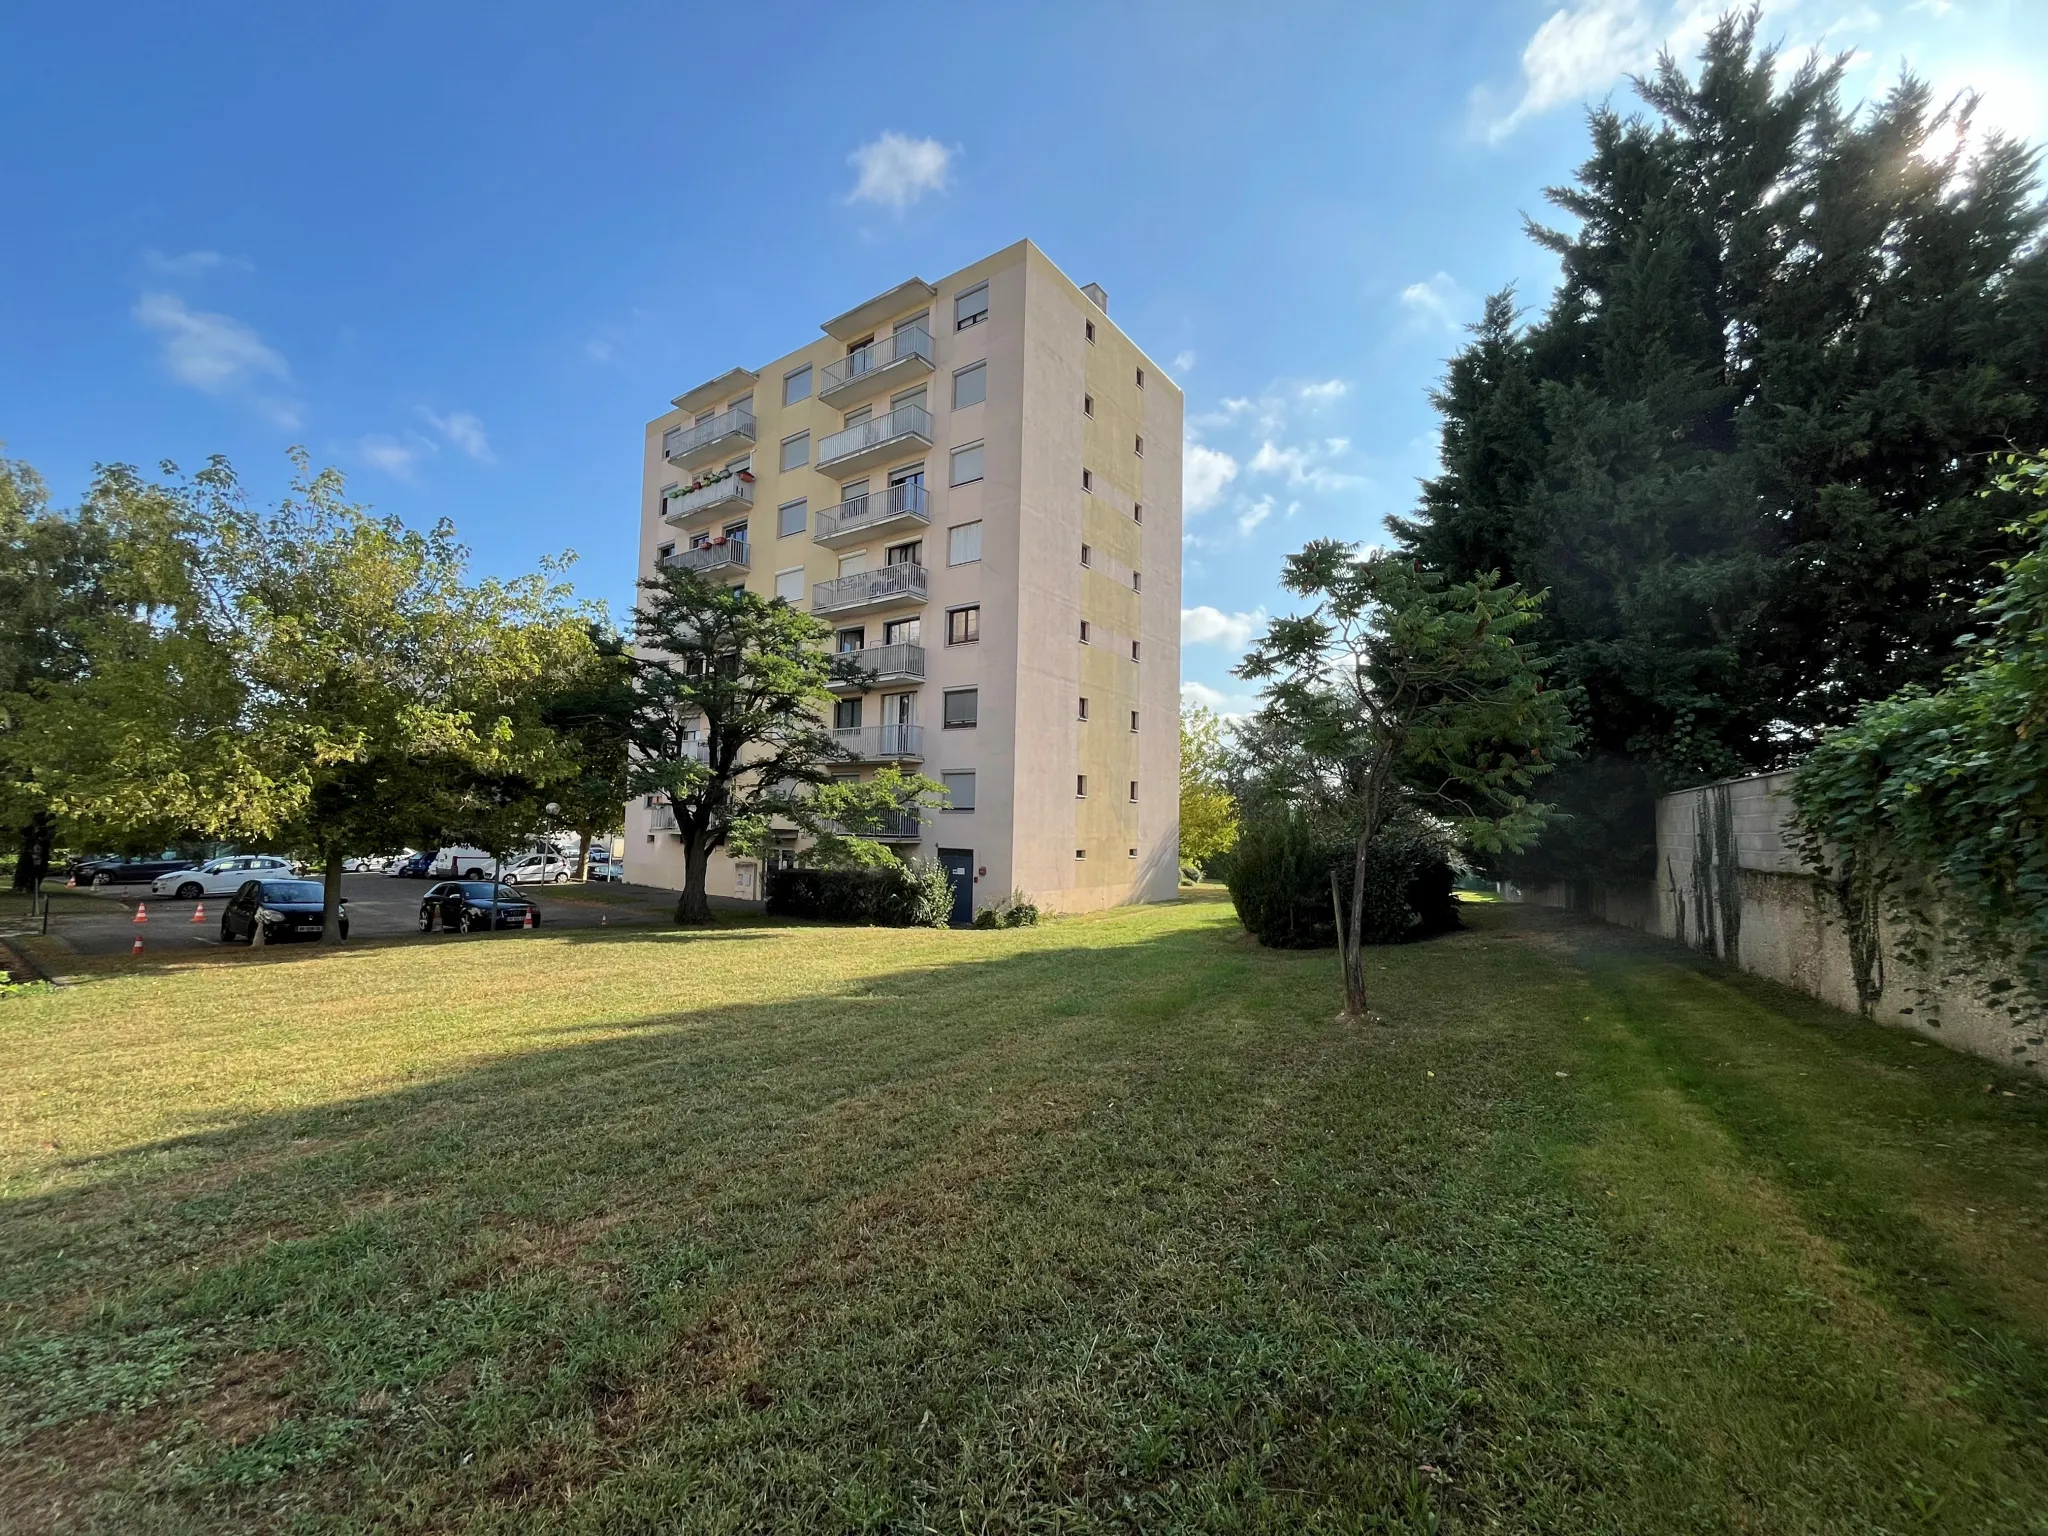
539, 869
221, 877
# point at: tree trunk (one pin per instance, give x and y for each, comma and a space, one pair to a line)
330, 904
1354, 948
32, 857
694, 905
1343, 951
583, 856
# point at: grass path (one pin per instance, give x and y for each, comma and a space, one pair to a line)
1108, 1225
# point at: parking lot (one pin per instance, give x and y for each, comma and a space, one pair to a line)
102, 921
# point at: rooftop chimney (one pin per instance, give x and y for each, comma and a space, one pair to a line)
1094, 291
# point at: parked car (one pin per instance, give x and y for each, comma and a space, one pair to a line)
463, 905
464, 863
128, 868
539, 869
365, 863
604, 867
419, 866
221, 877
278, 909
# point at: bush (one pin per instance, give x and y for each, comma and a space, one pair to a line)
1019, 911
894, 896
1279, 878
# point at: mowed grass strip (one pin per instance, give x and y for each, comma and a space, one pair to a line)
1108, 1225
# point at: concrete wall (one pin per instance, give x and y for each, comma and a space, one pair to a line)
1730, 882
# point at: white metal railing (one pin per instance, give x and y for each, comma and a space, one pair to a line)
864, 587
887, 661
910, 499
904, 421
729, 554
915, 341
730, 487
887, 827
872, 743
739, 421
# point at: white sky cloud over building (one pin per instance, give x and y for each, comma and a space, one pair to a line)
465, 431
1204, 625
1205, 473
896, 170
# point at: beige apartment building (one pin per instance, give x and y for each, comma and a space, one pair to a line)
977, 483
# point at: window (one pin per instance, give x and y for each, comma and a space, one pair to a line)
1080, 786
959, 791
662, 552
970, 386
1084, 631
963, 708
853, 639
1087, 405
1134, 789
796, 385
1137, 581
904, 554
1087, 555
1088, 329
789, 584
963, 544
1134, 719
846, 715
796, 451
903, 631
963, 625
1138, 512
1087, 480
791, 517
1084, 710
966, 465
666, 492
1134, 853
1134, 650
1139, 446
669, 439
1141, 378
971, 307
1080, 853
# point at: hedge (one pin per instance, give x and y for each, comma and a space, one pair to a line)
897, 896
1279, 879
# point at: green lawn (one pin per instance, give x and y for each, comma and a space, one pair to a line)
1107, 1225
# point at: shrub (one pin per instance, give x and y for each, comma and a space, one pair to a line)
1279, 878
1018, 911
895, 896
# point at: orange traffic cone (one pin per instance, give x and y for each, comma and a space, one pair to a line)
199, 913
529, 919
142, 912
136, 947
71, 882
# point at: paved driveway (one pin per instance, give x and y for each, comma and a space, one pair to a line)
379, 907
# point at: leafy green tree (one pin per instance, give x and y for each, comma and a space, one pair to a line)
592, 716
1742, 449
731, 693
1400, 692
1208, 812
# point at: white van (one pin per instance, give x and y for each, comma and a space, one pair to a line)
462, 864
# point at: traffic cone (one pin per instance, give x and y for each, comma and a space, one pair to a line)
529, 919
136, 947
71, 882
142, 912
199, 913
604, 920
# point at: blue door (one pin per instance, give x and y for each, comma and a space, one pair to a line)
959, 866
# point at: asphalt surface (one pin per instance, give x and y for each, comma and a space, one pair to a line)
379, 907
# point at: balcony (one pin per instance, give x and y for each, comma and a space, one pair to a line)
689, 447
875, 441
877, 368
883, 743
892, 584
860, 518
891, 827
710, 559
902, 663
725, 489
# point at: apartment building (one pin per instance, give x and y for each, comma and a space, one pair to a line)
977, 483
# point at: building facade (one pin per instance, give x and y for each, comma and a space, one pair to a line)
977, 483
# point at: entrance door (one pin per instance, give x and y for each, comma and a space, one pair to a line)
959, 866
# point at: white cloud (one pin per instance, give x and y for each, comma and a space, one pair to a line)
1205, 472
1578, 50
1306, 465
1184, 362
896, 170
1324, 392
1435, 302
1212, 626
1231, 706
465, 431
192, 263
598, 350
396, 457
1254, 513
210, 352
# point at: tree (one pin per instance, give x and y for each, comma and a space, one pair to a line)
1399, 692
1208, 813
728, 725
592, 716
1742, 448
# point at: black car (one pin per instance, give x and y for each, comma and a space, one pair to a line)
128, 868
466, 904
282, 909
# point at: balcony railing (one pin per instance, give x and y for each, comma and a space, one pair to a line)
897, 663
730, 555
861, 517
875, 440
890, 827
882, 743
732, 488
683, 445
866, 589
876, 366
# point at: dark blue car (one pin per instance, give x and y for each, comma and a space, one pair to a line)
277, 910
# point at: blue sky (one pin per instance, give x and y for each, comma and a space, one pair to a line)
465, 252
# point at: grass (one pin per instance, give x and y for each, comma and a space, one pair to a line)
1106, 1225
